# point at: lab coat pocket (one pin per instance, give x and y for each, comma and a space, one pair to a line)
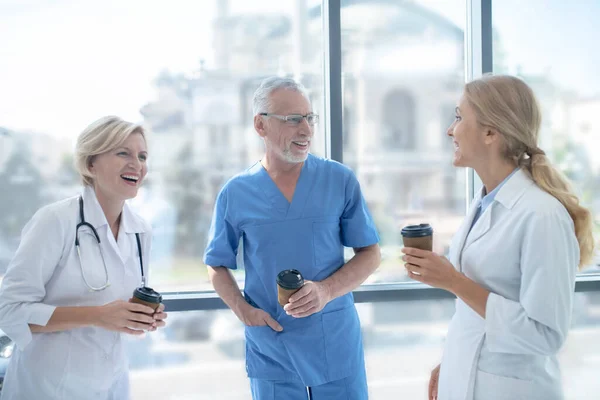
327, 243
91, 366
343, 342
496, 387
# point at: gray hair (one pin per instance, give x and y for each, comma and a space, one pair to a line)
105, 134
261, 100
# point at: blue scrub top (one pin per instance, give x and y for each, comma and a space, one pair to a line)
327, 213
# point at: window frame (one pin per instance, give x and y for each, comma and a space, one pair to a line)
479, 60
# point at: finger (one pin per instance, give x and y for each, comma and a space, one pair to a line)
160, 308
431, 388
416, 252
300, 309
413, 260
303, 302
273, 324
415, 269
300, 294
306, 313
131, 331
413, 273
138, 325
139, 317
159, 324
140, 308
160, 316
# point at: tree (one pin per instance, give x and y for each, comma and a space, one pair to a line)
22, 192
187, 188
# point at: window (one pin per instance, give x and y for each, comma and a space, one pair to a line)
568, 91
203, 351
402, 64
398, 125
187, 71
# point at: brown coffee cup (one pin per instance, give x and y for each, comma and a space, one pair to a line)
289, 282
147, 296
418, 236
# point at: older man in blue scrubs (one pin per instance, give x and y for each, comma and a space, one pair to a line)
293, 210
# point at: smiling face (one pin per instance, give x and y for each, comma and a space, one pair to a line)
471, 139
286, 141
118, 173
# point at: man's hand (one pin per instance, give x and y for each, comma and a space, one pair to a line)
253, 316
310, 299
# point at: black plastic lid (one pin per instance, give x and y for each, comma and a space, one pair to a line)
290, 279
147, 294
421, 230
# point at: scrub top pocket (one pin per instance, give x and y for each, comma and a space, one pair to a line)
326, 237
343, 342
265, 355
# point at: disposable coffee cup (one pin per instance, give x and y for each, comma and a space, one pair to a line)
147, 296
288, 283
418, 236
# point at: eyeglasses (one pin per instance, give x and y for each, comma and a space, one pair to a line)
295, 119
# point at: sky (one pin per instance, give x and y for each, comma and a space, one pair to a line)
64, 63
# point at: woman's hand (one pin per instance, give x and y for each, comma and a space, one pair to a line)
429, 268
433, 383
126, 317
159, 317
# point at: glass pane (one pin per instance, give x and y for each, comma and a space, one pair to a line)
201, 354
560, 62
187, 71
409, 336
198, 355
403, 73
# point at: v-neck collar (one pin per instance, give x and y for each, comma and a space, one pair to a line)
129, 224
288, 209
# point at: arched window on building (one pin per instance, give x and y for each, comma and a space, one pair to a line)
398, 127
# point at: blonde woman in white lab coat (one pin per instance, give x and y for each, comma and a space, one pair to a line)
513, 262
66, 311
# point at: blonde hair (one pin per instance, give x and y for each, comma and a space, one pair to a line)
509, 106
103, 135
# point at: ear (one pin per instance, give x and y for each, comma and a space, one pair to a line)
491, 135
259, 125
90, 166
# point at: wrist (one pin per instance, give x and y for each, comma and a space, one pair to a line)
240, 308
327, 290
457, 283
91, 316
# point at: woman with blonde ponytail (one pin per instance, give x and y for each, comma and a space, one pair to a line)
513, 262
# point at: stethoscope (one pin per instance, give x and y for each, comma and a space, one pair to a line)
88, 225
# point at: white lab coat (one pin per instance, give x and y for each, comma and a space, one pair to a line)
45, 273
522, 249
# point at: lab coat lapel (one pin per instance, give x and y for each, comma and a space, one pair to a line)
507, 197
129, 227
95, 216
481, 227
461, 235
124, 244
